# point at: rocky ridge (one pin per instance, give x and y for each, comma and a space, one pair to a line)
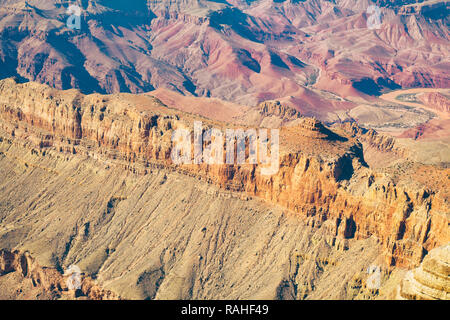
322, 177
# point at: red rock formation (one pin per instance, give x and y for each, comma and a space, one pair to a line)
236, 51
373, 139
322, 173
434, 129
436, 101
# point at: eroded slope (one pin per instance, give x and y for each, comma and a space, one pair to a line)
89, 180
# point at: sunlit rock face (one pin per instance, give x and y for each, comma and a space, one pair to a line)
431, 280
322, 173
87, 174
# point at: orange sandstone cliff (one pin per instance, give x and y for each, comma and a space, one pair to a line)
323, 175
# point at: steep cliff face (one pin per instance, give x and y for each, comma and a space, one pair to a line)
373, 139
322, 174
167, 235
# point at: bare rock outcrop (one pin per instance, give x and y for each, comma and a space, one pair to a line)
275, 108
234, 51
47, 282
431, 280
436, 101
322, 175
373, 139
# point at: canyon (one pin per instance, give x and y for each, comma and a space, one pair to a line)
358, 207
316, 56
88, 177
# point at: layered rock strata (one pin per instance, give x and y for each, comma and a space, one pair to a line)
322, 175
431, 280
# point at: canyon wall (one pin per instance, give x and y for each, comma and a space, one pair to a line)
322, 177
